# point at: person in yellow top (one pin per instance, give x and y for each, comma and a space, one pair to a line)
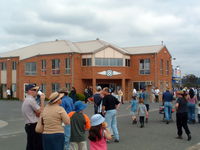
53, 116
120, 95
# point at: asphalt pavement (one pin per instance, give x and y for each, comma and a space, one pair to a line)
156, 135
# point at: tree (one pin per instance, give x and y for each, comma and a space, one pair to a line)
190, 80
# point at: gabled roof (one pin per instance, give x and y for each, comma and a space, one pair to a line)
144, 49
53, 47
63, 46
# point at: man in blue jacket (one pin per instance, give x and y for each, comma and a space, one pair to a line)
68, 105
167, 100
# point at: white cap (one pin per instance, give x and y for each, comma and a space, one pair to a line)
97, 119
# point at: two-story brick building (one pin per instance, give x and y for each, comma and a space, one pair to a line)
56, 64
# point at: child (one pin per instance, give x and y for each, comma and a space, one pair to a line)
98, 133
142, 111
80, 122
133, 106
198, 108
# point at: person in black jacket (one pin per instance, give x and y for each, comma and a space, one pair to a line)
182, 115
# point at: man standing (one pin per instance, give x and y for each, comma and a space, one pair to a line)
31, 111
167, 100
67, 104
8, 92
110, 105
157, 92
98, 99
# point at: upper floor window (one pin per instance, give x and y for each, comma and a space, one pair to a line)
144, 66
86, 61
3, 65
68, 66
127, 62
14, 65
43, 66
161, 66
109, 61
56, 66
55, 87
167, 68
30, 68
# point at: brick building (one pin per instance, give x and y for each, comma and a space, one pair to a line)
56, 64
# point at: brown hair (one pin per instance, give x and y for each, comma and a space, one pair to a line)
141, 100
95, 133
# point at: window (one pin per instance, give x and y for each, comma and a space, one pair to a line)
139, 85
127, 62
68, 66
68, 86
161, 66
108, 61
87, 62
14, 65
167, 68
43, 88
14, 87
56, 66
30, 68
3, 65
145, 66
55, 87
43, 66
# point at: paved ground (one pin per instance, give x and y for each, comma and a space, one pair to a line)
155, 136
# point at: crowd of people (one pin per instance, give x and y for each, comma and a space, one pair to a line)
61, 124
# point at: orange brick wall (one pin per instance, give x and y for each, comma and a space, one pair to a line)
82, 76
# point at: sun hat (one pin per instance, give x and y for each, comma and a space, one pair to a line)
79, 106
31, 87
97, 119
54, 97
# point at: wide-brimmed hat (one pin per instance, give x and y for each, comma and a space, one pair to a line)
79, 106
31, 87
54, 97
97, 119
63, 90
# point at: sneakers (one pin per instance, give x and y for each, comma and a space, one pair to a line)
116, 141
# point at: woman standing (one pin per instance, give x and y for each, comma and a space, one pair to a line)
182, 115
53, 116
192, 100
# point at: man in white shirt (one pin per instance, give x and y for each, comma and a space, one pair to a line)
31, 111
157, 92
8, 93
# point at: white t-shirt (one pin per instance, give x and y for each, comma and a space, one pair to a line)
134, 92
157, 91
8, 92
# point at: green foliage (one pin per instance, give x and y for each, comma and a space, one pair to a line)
80, 97
190, 81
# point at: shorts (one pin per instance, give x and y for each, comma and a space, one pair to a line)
133, 113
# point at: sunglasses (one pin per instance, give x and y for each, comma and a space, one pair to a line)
33, 90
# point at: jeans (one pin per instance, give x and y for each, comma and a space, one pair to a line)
53, 141
168, 110
191, 112
67, 136
111, 120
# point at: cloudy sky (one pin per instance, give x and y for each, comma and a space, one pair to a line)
121, 22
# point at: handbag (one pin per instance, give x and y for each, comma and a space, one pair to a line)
40, 125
